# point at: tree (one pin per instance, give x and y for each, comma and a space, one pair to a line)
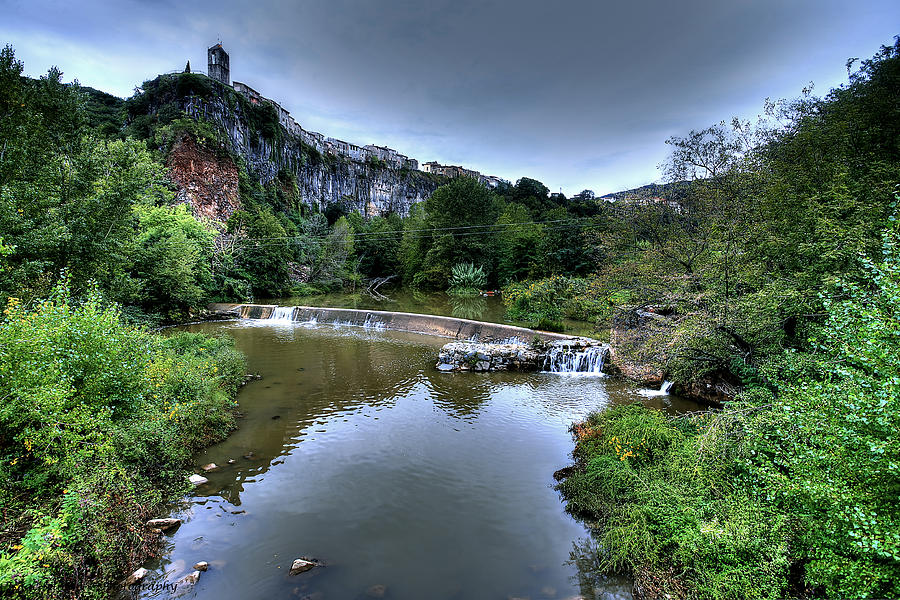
461, 215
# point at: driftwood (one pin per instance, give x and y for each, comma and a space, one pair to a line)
376, 283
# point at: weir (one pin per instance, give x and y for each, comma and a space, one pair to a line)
482, 346
449, 327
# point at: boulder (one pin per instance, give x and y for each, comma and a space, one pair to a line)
136, 576
201, 566
163, 524
191, 578
483, 357
197, 479
303, 564
210, 467
473, 356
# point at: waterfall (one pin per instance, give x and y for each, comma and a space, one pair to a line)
373, 324
564, 359
662, 391
283, 313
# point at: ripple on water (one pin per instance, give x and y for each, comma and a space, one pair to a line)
395, 474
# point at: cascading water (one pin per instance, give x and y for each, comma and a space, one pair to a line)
283, 313
373, 324
662, 391
565, 359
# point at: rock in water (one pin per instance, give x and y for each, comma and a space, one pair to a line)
303, 564
210, 467
163, 524
376, 591
201, 566
136, 576
191, 579
197, 479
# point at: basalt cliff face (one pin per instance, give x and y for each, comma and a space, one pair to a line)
210, 182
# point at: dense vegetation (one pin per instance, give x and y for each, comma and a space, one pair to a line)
97, 422
772, 252
98, 417
791, 249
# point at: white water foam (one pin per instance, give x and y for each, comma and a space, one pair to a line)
662, 391
564, 359
283, 314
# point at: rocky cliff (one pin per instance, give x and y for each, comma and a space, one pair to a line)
322, 179
207, 181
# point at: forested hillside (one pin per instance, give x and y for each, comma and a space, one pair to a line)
767, 266
783, 267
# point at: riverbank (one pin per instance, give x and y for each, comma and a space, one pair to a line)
98, 425
347, 413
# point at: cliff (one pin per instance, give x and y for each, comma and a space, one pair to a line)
253, 132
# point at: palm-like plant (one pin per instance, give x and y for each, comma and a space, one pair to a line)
467, 279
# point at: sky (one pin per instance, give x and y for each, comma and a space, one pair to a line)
579, 95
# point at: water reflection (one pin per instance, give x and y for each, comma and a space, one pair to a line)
593, 582
468, 308
354, 449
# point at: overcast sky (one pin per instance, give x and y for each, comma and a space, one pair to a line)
575, 94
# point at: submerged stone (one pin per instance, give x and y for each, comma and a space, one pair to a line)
163, 524
191, 578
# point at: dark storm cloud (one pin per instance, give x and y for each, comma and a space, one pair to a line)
576, 94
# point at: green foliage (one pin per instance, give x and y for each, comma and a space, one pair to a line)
80, 221
204, 132
546, 300
466, 279
454, 211
104, 113
171, 261
263, 251
791, 493
97, 422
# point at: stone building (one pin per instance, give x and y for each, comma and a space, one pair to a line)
218, 64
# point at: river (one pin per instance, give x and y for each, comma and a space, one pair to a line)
407, 482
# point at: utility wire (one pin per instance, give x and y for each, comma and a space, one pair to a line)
423, 233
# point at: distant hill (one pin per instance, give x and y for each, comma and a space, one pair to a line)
105, 112
670, 191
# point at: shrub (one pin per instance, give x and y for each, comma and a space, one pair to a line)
466, 279
544, 299
97, 422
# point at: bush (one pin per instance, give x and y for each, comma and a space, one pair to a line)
97, 423
466, 279
543, 300
788, 493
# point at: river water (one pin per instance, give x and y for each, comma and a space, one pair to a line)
409, 483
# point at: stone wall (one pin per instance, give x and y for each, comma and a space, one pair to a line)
465, 356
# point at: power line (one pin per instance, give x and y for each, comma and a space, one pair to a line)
421, 233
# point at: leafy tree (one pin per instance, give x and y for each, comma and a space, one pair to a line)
263, 251
172, 260
461, 213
